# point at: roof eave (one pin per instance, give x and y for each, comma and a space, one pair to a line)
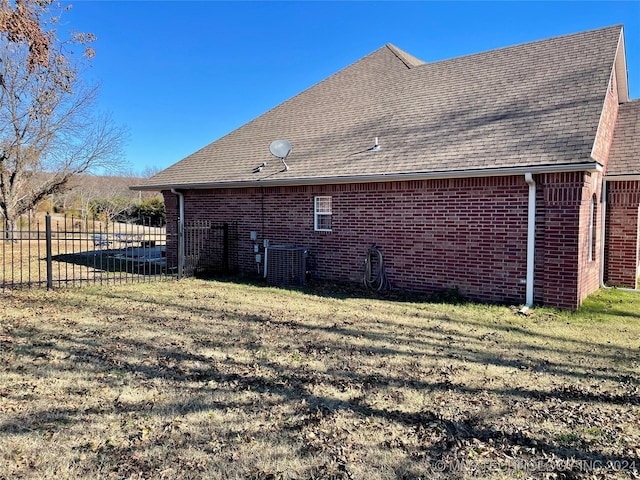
622, 178
489, 172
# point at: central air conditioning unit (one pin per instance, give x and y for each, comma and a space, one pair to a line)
286, 265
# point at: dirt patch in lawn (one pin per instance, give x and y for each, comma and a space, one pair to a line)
207, 379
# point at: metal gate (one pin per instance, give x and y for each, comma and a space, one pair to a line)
210, 247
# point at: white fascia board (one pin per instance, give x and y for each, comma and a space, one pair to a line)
394, 177
621, 70
621, 178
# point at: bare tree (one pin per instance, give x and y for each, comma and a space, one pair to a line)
149, 171
106, 197
49, 130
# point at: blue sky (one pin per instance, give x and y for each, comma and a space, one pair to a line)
181, 74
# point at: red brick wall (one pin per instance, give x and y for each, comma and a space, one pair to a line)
557, 278
622, 233
469, 234
564, 273
589, 268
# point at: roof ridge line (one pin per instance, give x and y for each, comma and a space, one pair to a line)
527, 43
409, 60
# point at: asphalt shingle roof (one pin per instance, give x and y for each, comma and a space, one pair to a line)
624, 157
536, 104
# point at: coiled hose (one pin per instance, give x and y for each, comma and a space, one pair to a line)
375, 274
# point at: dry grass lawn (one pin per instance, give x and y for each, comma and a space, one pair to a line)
207, 379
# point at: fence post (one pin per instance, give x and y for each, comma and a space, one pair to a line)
48, 236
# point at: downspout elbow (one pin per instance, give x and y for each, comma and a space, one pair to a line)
180, 196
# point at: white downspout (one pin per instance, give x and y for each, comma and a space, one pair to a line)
531, 240
180, 196
603, 226
266, 254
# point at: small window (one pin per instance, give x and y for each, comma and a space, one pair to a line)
322, 214
592, 229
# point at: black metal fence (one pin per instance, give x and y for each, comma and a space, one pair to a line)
210, 247
62, 250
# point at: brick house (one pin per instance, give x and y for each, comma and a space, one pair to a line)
512, 175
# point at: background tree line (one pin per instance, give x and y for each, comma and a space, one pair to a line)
107, 199
149, 211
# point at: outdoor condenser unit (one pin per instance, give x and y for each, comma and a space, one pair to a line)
286, 265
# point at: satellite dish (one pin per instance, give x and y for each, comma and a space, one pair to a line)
280, 148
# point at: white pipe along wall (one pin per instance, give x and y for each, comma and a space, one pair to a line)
531, 240
180, 196
603, 219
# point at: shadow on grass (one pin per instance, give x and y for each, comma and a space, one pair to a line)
350, 290
198, 376
133, 260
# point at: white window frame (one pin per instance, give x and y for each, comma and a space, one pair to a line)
318, 213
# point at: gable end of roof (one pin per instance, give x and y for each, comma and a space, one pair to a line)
621, 70
536, 105
624, 157
409, 60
